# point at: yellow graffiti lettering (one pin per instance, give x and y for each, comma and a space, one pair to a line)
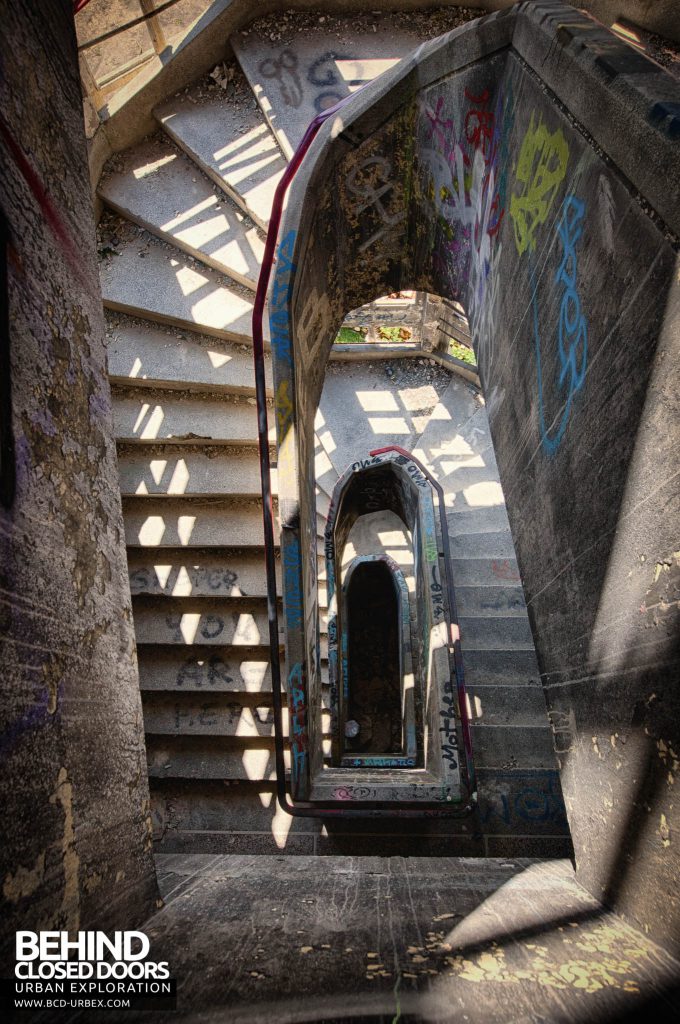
284, 407
541, 168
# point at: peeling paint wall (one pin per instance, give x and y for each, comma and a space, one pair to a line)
74, 801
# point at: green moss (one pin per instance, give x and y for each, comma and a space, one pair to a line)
347, 336
462, 352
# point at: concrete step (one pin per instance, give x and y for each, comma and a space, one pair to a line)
490, 601
485, 572
230, 141
163, 668
162, 190
492, 546
149, 417
309, 70
158, 282
495, 633
520, 813
478, 521
205, 621
513, 746
156, 357
242, 716
507, 706
197, 757
173, 523
173, 471
517, 668
209, 573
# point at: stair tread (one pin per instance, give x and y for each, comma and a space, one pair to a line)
171, 522
206, 670
149, 356
295, 80
167, 286
230, 141
176, 472
149, 417
163, 191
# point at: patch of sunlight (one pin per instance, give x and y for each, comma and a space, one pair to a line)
261, 714
162, 574
188, 625
246, 724
183, 585
418, 398
151, 428
281, 824
438, 636
157, 468
212, 308
356, 72
388, 425
188, 280
471, 463
411, 584
218, 359
377, 401
253, 674
185, 528
322, 464
246, 631
141, 488
153, 165
152, 530
255, 764
266, 798
319, 420
440, 413
484, 494
337, 126
180, 478
140, 417
327, 441
395, 537
136, 367
205, 204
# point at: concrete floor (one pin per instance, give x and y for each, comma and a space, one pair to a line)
292, 939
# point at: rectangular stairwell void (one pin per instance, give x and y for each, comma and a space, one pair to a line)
395, 722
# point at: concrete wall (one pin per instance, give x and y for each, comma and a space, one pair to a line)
528, 166
76, 848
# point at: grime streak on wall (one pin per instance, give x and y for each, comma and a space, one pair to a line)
572, 340
370, 181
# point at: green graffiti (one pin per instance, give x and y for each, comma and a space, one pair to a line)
540, 171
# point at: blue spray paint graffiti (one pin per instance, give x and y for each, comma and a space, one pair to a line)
572, 329
280, 297
298, 722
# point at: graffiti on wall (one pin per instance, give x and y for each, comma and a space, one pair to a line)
572, 330
541, 167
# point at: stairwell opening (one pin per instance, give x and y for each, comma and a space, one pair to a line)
374, 702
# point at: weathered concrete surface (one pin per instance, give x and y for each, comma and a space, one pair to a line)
276, 939
164, 192
76, 848
230, 141
147, 417
300, 74
145, 277
460, 174
154, 356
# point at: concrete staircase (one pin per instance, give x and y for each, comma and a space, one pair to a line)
181, 244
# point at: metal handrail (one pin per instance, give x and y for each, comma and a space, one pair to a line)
302, 809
